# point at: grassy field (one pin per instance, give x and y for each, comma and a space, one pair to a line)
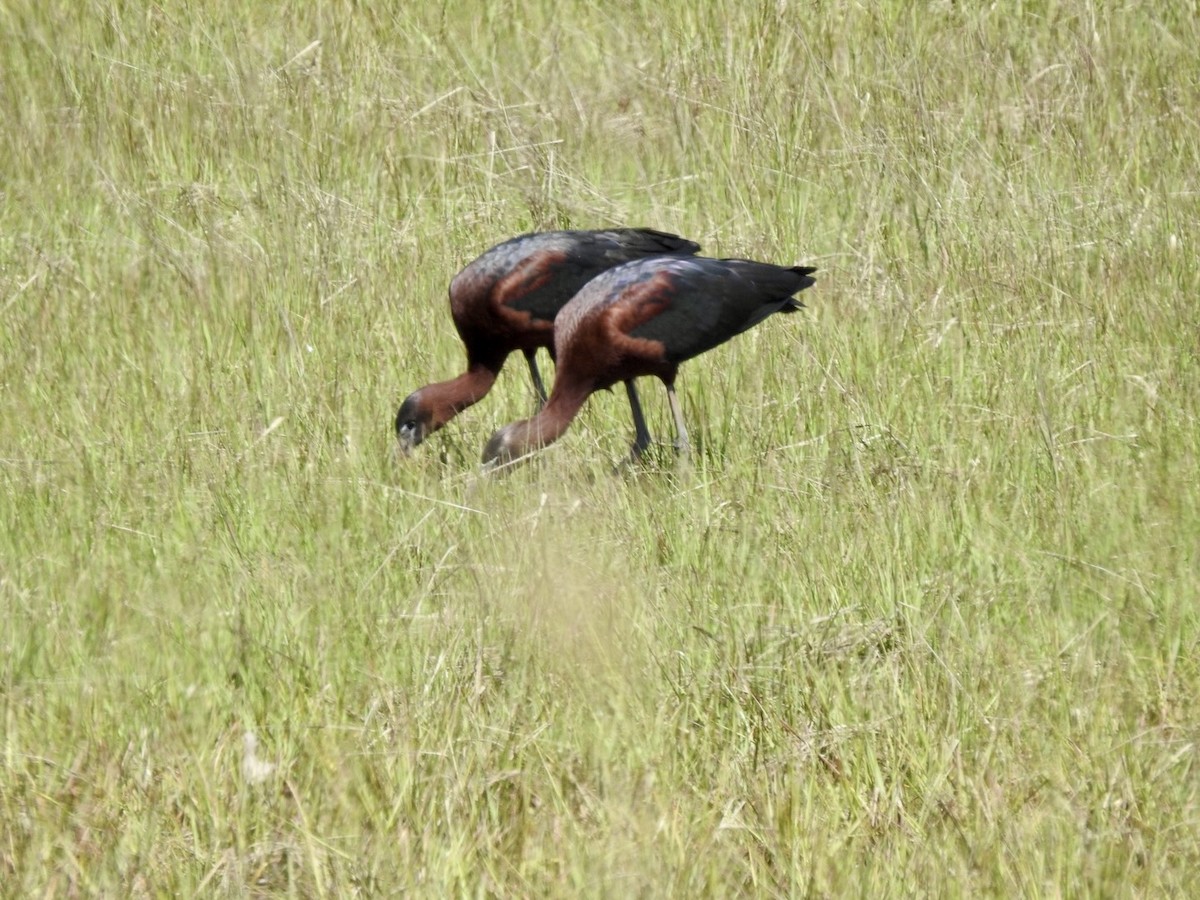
921, 616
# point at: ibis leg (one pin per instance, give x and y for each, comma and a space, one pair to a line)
641, 433
681, 436
531, 358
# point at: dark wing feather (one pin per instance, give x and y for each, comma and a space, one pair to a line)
708, 301
627, 244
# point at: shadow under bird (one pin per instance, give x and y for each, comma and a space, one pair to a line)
646, 318
507, 300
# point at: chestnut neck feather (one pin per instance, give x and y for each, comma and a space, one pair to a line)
446, 399
548, 425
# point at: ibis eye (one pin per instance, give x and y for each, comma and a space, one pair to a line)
410, 433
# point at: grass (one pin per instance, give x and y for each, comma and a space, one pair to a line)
919, 619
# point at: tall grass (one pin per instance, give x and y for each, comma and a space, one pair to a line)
919, 618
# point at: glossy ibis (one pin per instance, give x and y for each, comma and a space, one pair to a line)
507, 299
645, 318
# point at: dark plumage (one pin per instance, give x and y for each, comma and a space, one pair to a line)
507, 299
646, 318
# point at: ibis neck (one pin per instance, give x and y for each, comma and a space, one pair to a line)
447, 399
554, 419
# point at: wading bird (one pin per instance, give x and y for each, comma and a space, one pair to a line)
646, 318
507, 299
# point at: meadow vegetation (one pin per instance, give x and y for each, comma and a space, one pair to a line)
921, 615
